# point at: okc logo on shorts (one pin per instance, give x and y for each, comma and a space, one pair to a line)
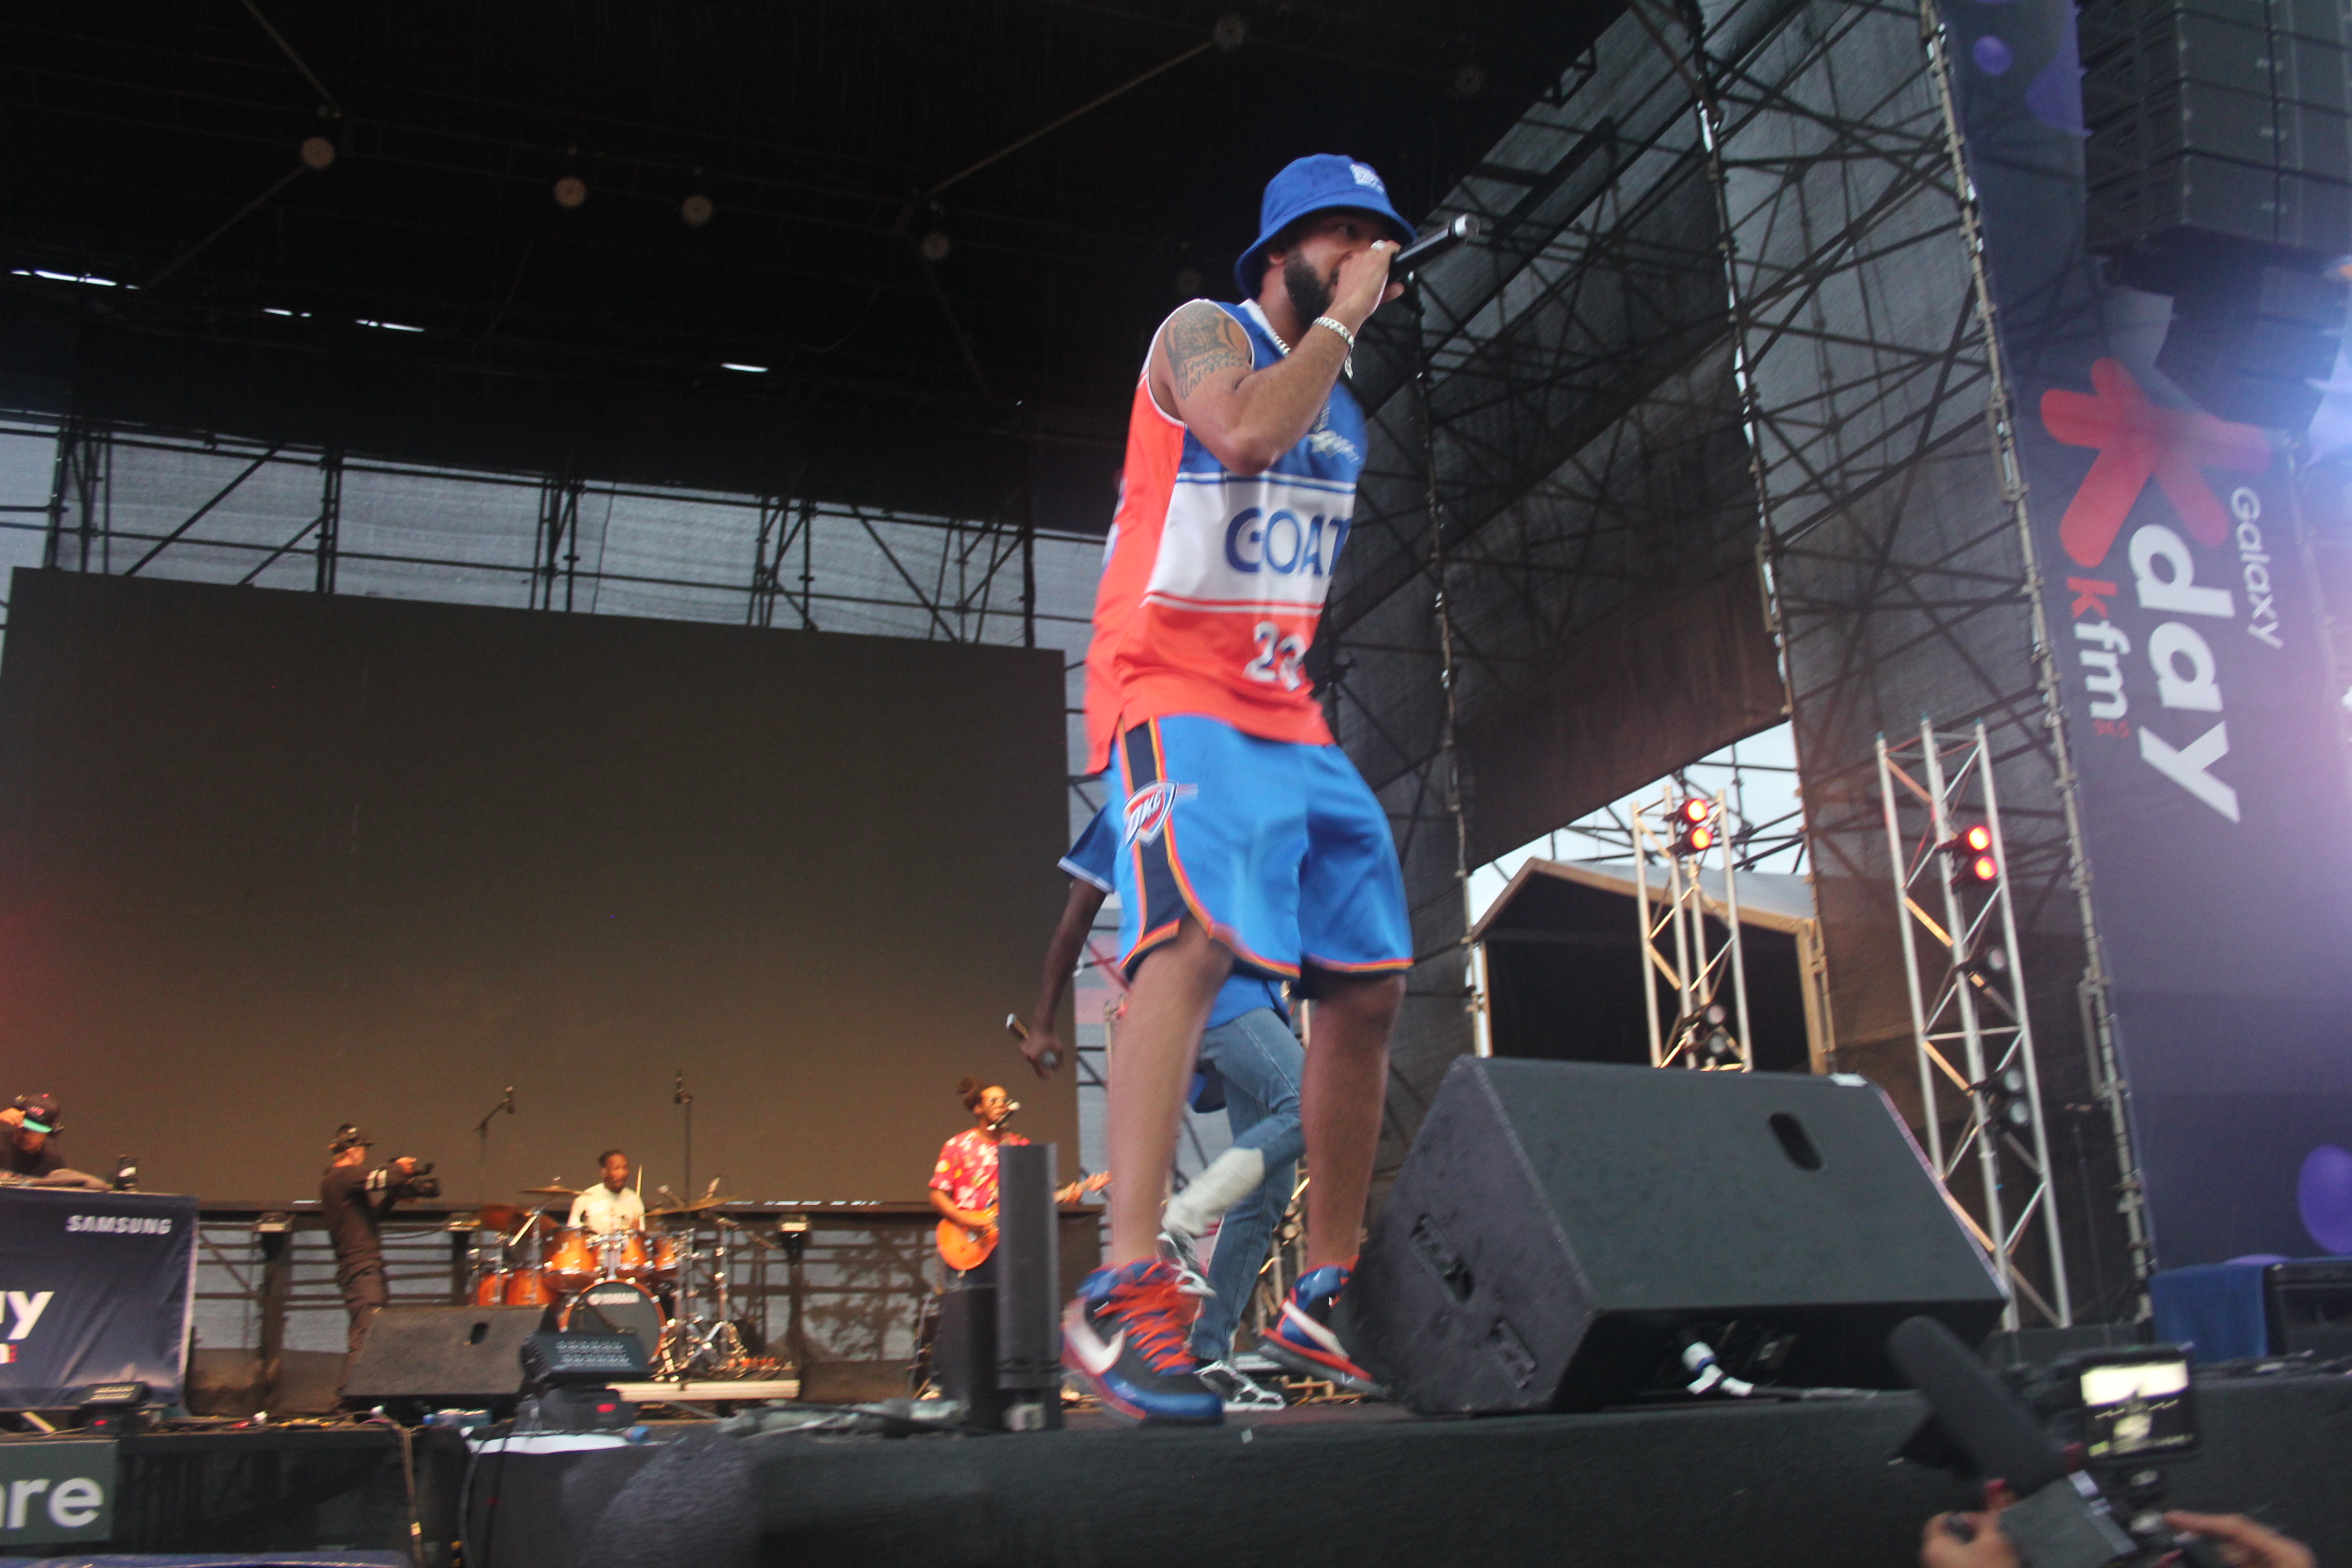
1147, 810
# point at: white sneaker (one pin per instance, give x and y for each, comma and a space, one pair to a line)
1236, 1388
1175, 1249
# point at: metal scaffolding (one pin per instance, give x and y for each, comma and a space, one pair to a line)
1975, 1008
1674, 947
1724, 358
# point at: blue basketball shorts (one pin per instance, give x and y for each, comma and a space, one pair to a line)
1278, 849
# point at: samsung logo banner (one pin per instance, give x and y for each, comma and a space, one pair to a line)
120, 1224
99, 1291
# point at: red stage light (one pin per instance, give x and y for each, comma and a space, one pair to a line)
1702, 838
1983, 869
1695, 809
1979, 838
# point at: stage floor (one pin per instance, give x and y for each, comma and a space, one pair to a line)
1740, 1486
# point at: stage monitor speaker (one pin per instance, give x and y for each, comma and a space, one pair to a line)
1561, 1230
441, 1355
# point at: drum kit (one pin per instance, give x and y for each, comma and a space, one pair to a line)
623, 1281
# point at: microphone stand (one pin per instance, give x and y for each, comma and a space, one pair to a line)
682, 1095
482, 1137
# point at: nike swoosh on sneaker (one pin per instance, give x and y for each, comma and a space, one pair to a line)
1094, 1356
1311, 1329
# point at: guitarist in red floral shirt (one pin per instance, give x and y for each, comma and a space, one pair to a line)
963, 1186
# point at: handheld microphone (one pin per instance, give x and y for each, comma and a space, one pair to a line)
1430, 247
1050, 1061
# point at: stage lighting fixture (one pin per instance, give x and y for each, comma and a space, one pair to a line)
934, 245
1972, 853
1694, 830
2005, 1091
571, 191
318, 153
696, 210
1988, 964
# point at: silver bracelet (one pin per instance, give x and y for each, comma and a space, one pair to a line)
1347, 365
1339, 326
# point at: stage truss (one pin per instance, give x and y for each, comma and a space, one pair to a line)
1942, 786
1674, 946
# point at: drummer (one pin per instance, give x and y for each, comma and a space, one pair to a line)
611, 1204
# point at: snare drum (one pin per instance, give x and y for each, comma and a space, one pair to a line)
624, 1255
569, 1261
617, 1307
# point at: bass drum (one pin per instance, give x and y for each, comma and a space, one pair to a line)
617, 1307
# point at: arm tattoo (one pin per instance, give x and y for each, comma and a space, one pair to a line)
1203, 341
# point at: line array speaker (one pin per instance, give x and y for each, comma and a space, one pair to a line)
2224, 117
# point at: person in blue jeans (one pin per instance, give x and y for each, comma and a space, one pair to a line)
1249, 1064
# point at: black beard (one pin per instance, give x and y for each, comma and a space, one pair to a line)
1311, 296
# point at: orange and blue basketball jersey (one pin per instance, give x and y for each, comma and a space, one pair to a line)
1213, 581
1239, 813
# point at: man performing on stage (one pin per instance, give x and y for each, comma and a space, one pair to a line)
1248, 837
611, 1204
963, 1184
354, 1203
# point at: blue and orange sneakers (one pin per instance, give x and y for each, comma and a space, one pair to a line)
1303, 1339
1125, 1337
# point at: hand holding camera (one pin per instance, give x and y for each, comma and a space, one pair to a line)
415, 1178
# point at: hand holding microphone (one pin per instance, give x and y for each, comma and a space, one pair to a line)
1042, 1049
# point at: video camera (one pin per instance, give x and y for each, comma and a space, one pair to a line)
2078, 1443
421, 1183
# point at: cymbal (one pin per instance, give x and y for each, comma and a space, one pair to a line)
552, 1190
695, 1207
500, 1216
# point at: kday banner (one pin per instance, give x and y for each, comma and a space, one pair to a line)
96, 1288
2189, 646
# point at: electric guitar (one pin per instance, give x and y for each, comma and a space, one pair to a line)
966, 1247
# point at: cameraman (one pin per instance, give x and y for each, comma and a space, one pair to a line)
1975, 1539
354, 1202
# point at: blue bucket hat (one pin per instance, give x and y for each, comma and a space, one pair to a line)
1316, 183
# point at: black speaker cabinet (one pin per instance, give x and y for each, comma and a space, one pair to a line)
1560, 1227
441, 1355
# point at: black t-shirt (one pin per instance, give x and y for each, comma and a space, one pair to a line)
15, 1160
354, 1200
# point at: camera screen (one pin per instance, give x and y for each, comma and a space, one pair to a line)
2137, 1407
